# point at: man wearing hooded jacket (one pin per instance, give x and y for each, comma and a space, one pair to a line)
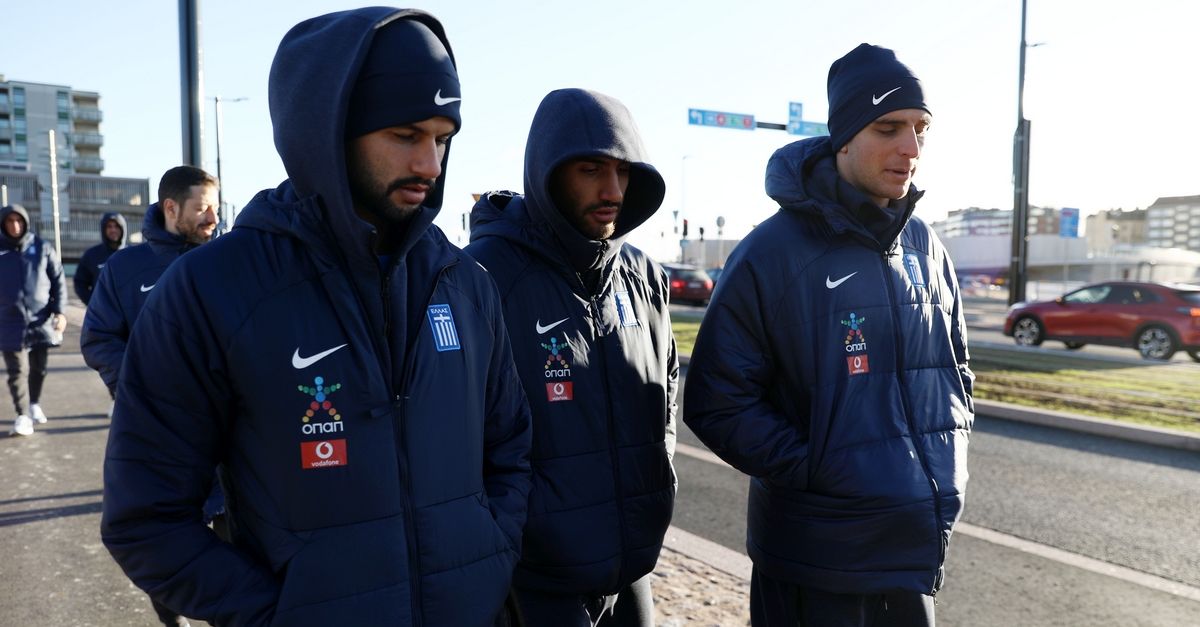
113, 237
32, 297
342, 362
831, 367
593, 345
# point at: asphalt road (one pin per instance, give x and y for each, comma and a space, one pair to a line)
1121, 503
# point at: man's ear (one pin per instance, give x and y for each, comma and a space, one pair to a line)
170, 206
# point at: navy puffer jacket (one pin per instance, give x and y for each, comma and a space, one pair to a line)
32, 288
832, 368
124, 285
371, 430
599, 365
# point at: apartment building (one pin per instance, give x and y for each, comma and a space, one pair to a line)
28, 111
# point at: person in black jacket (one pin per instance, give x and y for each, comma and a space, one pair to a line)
32, 297
592, 342
113, 237
831, 367
342, 364
183, 218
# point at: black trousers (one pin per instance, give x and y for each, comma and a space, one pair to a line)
775, 603
26, 374
631, 607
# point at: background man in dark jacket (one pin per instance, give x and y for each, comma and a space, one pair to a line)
593, 345
184, 217
113, 237
32, 297
831, 367
341, 362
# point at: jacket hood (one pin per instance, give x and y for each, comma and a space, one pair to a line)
155, 233
113, 216
312, 78
802, 177
572, 123
26, 236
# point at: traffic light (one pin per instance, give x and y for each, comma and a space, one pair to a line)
701, 233
685, 228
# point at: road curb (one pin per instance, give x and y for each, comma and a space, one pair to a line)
708, 552
1157, 436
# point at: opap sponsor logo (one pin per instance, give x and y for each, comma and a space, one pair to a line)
855, 340
557, 366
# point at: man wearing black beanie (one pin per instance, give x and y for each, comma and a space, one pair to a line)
832, 368
343, 366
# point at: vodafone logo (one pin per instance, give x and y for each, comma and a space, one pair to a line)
858, 364
322, 454
560, 391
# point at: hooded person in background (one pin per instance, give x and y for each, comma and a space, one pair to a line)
338, 360
113, 237
33, 295
831, 367
593, 345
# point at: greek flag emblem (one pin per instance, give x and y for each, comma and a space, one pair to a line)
914, 269
625, 310
441, 322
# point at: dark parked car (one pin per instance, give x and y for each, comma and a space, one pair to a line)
1157, 319
714, 274
688, 284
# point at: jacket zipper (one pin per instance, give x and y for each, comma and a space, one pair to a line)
598, 331
400, 408
908, 418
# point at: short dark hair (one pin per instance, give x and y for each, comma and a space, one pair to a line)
177, 183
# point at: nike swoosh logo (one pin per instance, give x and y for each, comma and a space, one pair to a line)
300, 363
146, 288
542, 329
441, 102
878, 100
832, 284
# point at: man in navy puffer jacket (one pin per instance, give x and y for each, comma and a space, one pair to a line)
592, 341
831, 367
344, 365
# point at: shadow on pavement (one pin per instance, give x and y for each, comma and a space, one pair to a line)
73, 495
1133, 451
34, 515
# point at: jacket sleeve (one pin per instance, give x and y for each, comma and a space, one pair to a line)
105, 331
58, 284
173, 409
84, 280
508, 438
730, 378
958, 336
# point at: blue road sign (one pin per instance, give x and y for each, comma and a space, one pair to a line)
795, 117
721, 119
811, 129
1068, 222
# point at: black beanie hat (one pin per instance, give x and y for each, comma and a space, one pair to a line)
407, 77
865, 84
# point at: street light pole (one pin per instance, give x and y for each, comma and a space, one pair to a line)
1020, 254
228, 220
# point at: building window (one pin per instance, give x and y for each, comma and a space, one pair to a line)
5, 150
18, 96
21, 149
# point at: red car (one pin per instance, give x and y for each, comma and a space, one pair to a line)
1155, 318
688, 284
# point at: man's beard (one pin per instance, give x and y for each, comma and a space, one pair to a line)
193, 234
379, 204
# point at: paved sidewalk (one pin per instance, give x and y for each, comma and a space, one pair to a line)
56, 571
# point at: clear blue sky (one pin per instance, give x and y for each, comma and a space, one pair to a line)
1111, 94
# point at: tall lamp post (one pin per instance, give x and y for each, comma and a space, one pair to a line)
1020, 254
228, 220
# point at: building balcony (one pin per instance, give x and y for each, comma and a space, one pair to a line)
90, 165
87, 139
87, 114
